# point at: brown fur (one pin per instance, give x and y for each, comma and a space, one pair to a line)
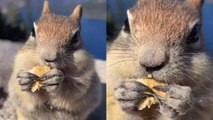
152, 17
59, 29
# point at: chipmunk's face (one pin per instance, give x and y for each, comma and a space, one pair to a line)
58, 38
163, 38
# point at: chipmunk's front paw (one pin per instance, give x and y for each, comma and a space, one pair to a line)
53, 80
179, 103
129, 94
26, 79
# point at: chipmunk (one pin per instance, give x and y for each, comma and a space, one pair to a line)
71, 90
162, 38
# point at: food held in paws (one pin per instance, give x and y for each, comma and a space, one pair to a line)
149, 82
39, 71
147, 103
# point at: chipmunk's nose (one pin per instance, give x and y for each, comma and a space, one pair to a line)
49, 56
152, 59
50, 60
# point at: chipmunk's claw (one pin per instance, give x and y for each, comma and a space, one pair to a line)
162, 88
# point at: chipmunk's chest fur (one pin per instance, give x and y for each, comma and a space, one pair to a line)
51, 113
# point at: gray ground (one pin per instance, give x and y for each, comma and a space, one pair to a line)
7, 53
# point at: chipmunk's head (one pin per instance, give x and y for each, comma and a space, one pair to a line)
57, 38
164, 38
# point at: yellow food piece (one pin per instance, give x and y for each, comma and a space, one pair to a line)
39, 71
147, 103
151, 100
152, 83
36, 86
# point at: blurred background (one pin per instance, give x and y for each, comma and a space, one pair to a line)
116, 14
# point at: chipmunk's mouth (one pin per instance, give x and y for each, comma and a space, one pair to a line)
51, 65
56, 64
66, 68
62, 68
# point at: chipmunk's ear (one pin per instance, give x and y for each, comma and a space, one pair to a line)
77, 13
34, 30
46, 8
197, 4
129, 15
35, 26
129, 22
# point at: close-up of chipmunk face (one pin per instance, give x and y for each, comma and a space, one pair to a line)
57, 37
162, 38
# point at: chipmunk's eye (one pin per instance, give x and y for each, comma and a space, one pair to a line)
33, 32
126, 26
194, 35
75, 42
